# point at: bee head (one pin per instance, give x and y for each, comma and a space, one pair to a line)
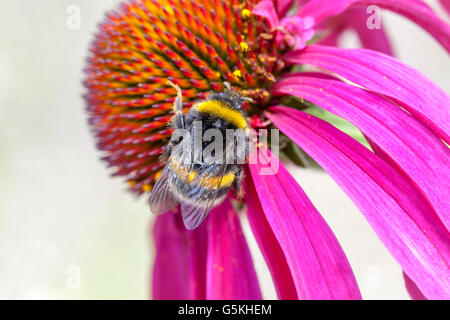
231, 97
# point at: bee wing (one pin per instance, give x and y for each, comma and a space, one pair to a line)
205, 199
162, 199
194, 214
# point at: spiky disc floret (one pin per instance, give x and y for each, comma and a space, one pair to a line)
197, 44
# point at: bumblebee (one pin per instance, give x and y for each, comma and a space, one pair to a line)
197, 176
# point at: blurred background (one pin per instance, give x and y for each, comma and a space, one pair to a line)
68, 230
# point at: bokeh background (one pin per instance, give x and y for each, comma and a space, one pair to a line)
68, 230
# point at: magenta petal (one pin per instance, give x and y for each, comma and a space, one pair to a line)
413, 291
318, 265
230, 271
446, 5
332, 38
385, 75
267, 10
394, 209
411, 146
415, 10
269, 246
374, 39
179, 271
283, 6
356, 19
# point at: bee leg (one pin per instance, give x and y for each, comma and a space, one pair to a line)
167, 150
178, 121
237, 184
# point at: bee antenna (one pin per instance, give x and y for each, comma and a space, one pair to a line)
235, 94
227, 85
172, 84
177, 88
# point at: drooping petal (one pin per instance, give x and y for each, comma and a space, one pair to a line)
396, 211
179, 271
266, 9
412, 147
283, 6
374, 39
318, 265
413, 291
356, 20
332, 38
385, 75
269, 246
296, 75
446, 5
229, 269
415, 10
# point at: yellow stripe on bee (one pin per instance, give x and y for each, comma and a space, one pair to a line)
222, 110
209, 183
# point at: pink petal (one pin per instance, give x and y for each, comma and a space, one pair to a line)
179, 271
332, 38
387, 200
283, 6
446, 5
230, 271
296, 75
385, 75
355, 18
374, 39
415, 10
318, 265
411, 146
308, 23
270, 248
413, 291
267, 10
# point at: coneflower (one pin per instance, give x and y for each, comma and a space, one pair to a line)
400, 184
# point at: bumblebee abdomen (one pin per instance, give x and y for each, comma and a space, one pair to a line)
192, 181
